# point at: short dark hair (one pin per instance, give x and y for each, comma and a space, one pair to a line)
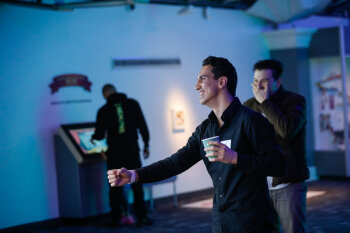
222, 67
108, 89
271, 64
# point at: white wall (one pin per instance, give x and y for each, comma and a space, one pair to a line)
36, 45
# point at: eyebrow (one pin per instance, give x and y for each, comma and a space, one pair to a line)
202, 76
262, 79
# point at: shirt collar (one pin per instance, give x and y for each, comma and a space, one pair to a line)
229, 112
277, 94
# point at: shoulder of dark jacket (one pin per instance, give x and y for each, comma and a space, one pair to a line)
283, 93
249, 102
133, 101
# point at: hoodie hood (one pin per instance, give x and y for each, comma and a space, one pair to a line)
116, 98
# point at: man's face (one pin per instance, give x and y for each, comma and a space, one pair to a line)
264, 80
207, 86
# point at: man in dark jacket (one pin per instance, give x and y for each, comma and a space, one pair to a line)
121, 118
286, 112
238, 164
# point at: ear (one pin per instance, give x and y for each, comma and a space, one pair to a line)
279, 82
222, 82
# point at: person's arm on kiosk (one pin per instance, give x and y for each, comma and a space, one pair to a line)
100, 128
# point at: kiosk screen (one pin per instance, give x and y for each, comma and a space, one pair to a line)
79, 135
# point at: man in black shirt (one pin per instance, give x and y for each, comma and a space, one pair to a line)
121, 118
238, 164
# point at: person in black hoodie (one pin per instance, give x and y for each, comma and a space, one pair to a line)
121, 118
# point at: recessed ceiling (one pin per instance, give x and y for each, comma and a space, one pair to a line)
275, 11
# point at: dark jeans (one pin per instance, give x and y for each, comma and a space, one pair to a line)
116, 194
116, 199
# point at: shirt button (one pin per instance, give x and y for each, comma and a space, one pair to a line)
220, 195
220, 178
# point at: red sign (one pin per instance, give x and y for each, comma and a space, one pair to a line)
70, 80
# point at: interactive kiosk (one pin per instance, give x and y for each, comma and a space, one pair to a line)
81, 172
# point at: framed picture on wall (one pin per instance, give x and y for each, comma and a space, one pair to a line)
178, 119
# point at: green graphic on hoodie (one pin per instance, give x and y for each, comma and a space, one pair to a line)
120, 115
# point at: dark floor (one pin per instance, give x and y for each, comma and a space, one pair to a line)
330, 212
327, 213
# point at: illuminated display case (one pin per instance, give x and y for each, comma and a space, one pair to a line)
330, 85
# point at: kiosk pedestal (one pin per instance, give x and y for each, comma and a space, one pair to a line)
81, 178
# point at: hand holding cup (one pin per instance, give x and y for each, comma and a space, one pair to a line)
206, 145
219, 152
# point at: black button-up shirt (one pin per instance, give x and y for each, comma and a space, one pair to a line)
241, 202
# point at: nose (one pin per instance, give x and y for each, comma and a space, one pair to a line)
260, 85
197, 85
